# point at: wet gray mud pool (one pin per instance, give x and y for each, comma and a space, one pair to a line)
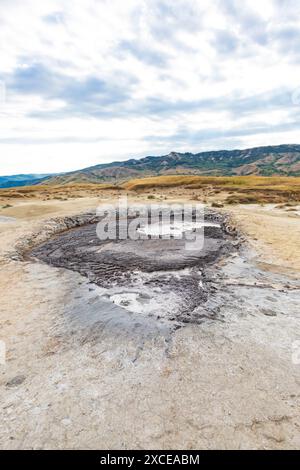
157, 284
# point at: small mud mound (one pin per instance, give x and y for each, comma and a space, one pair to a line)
152, 277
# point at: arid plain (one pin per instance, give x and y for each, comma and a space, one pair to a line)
229, 381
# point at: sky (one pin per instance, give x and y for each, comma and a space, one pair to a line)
84, 82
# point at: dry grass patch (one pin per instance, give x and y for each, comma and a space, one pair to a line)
242, 189
234, 189
59, 192
215, 181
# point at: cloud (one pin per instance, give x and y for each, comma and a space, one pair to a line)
89, 96
168, 18
54, 18
92, 81
34, 79
145, 54
225, 42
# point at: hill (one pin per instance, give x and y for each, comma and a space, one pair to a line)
280, 160
21, 180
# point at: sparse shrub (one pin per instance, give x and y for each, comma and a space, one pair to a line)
245, 199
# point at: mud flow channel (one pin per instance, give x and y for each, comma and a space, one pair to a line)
152, 277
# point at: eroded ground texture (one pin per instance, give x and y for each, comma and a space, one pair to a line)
143, 344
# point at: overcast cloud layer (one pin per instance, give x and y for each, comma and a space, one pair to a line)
91, 81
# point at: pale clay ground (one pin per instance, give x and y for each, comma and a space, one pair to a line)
220, 385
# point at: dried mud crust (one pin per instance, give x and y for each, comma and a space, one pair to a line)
155, 277
49, 229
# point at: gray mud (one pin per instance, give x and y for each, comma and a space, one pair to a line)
156, 284
152, 277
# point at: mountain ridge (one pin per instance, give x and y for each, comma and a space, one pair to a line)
270, 160
279, 160
11, 181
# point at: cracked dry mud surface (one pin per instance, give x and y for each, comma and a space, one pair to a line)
86, 369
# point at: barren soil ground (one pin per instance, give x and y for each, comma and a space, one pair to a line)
221, 384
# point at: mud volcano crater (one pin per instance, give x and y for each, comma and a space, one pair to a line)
153, 276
